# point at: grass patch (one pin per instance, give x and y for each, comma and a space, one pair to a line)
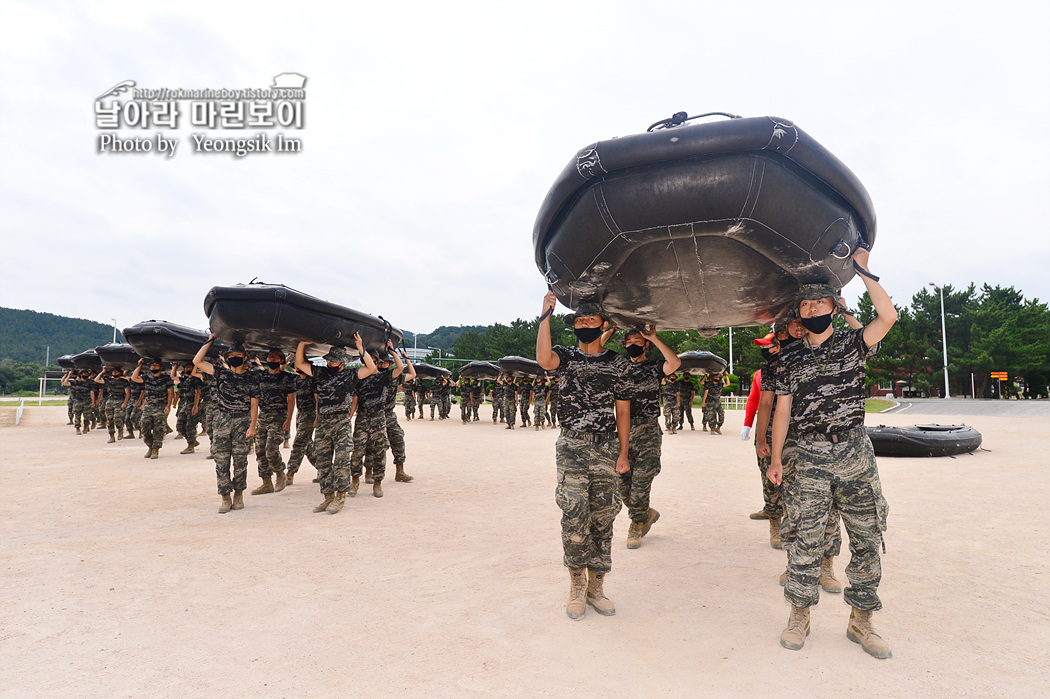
877, 405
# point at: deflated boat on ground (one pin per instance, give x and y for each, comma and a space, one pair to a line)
701, 226
924, 440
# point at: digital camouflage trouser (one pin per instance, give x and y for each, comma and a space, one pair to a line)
133, 417
539, 412
845, 475
588, 493
333, 444
114, 416
269, 435
685, 412
464, 408
80, 412
409, 401
69, 408
497, 408
789, 507
510, 408
552, 411
370, 445
643, 453
302, 445
186, 422
395, 435
714, 413
154, 425
772, 506
229, 443
475, 403
670, 415
523, 405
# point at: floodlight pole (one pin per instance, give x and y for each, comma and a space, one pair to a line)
944, 340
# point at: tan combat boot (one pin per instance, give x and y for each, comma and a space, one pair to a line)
282, 480
355, 483
266, 487
328, 498
774, 533
78, 431
634, 540
828, 582
577, 605
111, 440
291, 476
227, 504
337, 502
377, 488
149, 453
784, 578
761, 514
187, 450
596, 596
155, 454
861, 631
400, 475
650, 520
238, 499
120, 435
287, 445
794, 636
368, 475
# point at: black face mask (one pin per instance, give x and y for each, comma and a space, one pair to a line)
235, 362
766, 353
588, 335
273, 365
635, 350
789, 341
817, 324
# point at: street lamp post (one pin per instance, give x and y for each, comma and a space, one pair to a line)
114, 330
944, 340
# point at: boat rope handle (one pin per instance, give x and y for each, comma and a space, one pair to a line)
679, 118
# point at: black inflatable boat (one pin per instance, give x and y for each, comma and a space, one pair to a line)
271, 315
480, 370
120, 354
520, 367
701, 363
87, 359
702, 225
159, 339
924, 440
429, 371
65, 361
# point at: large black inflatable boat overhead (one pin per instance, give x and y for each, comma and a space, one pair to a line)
480, 370
924, 440
88, 359
65, 361
119, 354
429, 371
159, 339
520, 367
262, 316
701, 363
701, 225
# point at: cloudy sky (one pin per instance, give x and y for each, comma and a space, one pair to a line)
434, 129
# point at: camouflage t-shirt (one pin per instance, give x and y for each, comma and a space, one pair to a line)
539, 392
335, 389
371, 393
156, 387
589, 386
390, 395
714, 389
826, 383
441, 389
80, 389
274, 390
645, 381
187, 388
115, 389
304, 394
234, 391
670, 394
136, 391
477, 390
685, 391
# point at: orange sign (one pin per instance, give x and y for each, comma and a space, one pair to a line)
1001, 375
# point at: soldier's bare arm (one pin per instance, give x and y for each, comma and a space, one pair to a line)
623, 431
886, 314
545, 355
781, 421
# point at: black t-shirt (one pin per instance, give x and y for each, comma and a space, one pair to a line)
156, 387
115, 388
274, 390
371, 393
644, 377
188, 386
335, 389
589, 386
235, 391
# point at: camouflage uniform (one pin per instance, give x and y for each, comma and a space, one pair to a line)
552, 406
643, 452
185, 420
477, 396
116, 394
370, 442
446, 400
524, 398
274, 390
80, 397
539, 404
834, 465
305, 419
771, 493
333, 441
497, 402
685, 401
439, 398
233, 395
421, 396
588, 490
464, 402
510, 402
133, 413
206, 407
154, 421
395, 435
670, 393
409, 401
714, 413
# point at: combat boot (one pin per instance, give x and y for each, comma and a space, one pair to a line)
400, 475
155, 454
179, 435
828, 582
210, 456
377, 488
167, 429
111, 439
238, 499
286, 444
120, 435
149, 453
337, 502
861, 631
650, 520
634, 540
291, 476
187, 450
282, 480
78, 431
577, 605
227, 504
717, 429
368, 475
761, 514
266, 487
596, 596
355, 483
794, 636
784, 578
774, 533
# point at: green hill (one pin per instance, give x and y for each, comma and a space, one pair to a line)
26, 335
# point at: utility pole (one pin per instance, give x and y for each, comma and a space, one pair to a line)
114, 330
944, 340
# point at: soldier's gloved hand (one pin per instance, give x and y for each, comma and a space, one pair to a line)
745, 432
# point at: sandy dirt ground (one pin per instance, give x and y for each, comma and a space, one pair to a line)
121, 580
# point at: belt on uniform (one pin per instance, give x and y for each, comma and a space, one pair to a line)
588, 436
833, 437
644, 421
